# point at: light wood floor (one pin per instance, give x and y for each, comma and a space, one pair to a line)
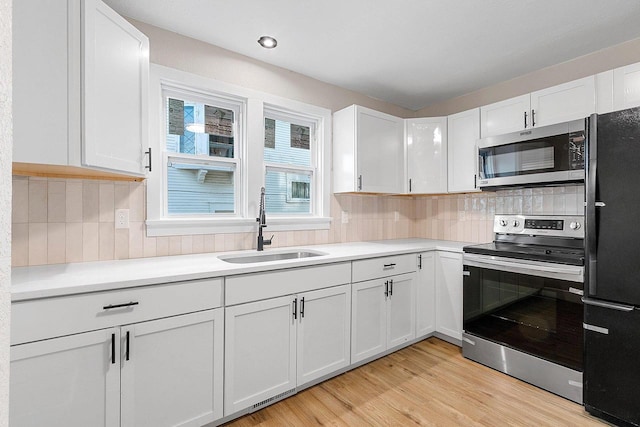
430, 384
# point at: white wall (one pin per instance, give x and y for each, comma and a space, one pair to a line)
603, 60
5, 204
187, 54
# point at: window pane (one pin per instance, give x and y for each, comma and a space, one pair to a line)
287, 143
287, 192
198, 128
200, 189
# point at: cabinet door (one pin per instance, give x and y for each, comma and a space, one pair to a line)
449, 294
260, 352
368, 319
115, 64
426, 141
626, 87
568, 101
324, 334
172, 370
463, 133
426, 294
401, 306
68, 381
506, 116
41, 81
380, 150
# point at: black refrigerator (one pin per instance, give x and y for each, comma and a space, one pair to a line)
612, 273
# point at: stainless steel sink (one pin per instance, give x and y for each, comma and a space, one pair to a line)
272, 256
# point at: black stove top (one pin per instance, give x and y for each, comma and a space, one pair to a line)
530, 251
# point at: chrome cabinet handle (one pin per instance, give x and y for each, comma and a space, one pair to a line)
533, 117
302, 307
525, 119
391, 287
295, 309
392, 265
149, 164
386, 289
359, 182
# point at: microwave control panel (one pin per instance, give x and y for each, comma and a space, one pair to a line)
576, 150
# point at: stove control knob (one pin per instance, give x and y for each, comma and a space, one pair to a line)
503, 222
575, 226
516, 223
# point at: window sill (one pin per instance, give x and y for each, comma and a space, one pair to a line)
188, 226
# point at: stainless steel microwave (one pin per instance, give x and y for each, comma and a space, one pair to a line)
540, 156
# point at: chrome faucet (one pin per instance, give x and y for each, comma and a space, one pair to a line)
262, 222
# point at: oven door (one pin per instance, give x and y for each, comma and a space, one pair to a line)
530, 306
549, 154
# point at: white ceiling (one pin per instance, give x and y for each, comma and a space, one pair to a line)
412, 53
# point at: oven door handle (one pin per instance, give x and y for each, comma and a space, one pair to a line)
483, 261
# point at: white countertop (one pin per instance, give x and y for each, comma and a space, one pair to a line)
65, 279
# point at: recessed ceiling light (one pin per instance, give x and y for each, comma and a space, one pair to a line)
268, 42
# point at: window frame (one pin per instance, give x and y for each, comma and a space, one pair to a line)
250, 154
235, 104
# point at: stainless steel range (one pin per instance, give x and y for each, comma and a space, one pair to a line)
522, 301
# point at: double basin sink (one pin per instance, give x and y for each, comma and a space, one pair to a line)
271, 256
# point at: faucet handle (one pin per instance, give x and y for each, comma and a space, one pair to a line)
269, 240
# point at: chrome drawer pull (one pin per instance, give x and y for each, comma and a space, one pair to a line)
126, 304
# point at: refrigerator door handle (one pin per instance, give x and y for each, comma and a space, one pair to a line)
612, 306
591, 167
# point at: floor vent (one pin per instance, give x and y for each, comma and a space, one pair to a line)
273, 399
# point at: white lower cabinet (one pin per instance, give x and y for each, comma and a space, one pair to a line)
448, 268
426, 294
383, 315
275, 345
165, 372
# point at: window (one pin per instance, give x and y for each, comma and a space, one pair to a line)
290, 162
210, 159
202, 161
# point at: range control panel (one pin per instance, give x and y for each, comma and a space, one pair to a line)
540, 225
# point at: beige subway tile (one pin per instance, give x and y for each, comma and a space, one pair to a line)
186, 245
19, 245
106, 241
136, 239
197, 244
121, 243
73, 242
475, 231
20, 201
56, 201
150, 246
209, 243
56, 243
162, 246
559, 204
73, 201
219, 242
90, 201
137, 201
90, 241
571, 204
121, 191
175, 245
37, 243
37, 201
468, 232
106, 202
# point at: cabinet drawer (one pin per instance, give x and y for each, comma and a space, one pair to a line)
373, 268
44, 318
258, 286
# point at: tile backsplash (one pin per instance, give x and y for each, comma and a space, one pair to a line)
58, 220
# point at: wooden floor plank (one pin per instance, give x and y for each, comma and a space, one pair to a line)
426, 384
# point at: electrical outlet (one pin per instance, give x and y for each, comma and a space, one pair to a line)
345, 217
122, 218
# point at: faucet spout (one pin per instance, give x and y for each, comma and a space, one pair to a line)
262, 223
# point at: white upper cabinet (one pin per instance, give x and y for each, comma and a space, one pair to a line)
604, 92
506, 116
626, 87
561, 103
463, 133
426, 141
79, 88
368, 151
